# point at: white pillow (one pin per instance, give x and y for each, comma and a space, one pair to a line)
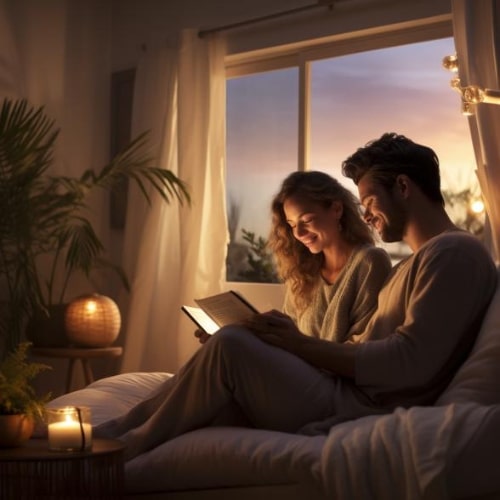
478, 379
113, 396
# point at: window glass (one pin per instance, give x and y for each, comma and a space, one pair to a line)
358, 97
262, 141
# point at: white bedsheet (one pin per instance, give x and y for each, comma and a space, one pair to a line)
407, 454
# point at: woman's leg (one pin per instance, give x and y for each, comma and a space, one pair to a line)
274, 389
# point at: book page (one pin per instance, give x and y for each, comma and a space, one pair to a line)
226, 308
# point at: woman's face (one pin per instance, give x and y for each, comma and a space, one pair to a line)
313, 225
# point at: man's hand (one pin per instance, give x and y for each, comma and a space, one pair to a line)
279, 330
276, 329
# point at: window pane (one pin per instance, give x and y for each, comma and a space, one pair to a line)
262, 124
404, 89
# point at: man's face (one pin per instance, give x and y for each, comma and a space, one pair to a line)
383, 209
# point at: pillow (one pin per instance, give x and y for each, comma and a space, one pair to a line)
478, 379
113, 396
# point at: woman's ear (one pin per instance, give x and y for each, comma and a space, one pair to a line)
337, 209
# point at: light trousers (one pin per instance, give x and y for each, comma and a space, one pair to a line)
234, 375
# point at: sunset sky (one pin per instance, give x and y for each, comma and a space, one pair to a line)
355, 98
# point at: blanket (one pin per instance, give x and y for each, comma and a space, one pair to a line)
406, 454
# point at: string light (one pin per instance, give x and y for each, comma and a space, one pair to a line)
470, 94
477, 206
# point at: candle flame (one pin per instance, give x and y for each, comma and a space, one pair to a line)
69, 415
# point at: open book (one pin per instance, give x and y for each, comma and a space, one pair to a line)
219, 310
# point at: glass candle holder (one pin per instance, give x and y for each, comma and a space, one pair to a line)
69, 428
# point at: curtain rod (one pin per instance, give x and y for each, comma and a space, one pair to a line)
319, 3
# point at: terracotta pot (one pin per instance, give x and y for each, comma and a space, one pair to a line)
48, 331
15, 430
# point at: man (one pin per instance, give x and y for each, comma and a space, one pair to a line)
428, 316
431, 309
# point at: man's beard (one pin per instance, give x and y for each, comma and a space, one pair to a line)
394, 228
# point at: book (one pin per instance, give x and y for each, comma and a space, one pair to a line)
219, 310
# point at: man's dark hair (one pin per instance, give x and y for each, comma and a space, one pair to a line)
393, 155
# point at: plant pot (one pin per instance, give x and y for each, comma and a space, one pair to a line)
15, 430
48, 330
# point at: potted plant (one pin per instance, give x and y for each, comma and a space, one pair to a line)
45, 234
20, 406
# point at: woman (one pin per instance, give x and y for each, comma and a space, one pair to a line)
332, 271
326, 256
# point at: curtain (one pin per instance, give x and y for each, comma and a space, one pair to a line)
176, 253
56, 55
476, 25
11, 81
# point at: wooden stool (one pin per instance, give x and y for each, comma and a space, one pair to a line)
73, 354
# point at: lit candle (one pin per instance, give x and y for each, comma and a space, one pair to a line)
65, 430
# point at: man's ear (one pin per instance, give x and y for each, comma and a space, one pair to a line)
403, 185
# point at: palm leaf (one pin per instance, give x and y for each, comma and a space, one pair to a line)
131, 163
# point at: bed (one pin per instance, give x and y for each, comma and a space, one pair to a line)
445, 451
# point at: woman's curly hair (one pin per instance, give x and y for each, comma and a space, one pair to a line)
296, 265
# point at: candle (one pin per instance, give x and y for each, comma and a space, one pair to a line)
65, 427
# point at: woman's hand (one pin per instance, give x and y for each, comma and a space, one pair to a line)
276, 329
202, 335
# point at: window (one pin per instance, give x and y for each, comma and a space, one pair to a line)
352, 98
262, 121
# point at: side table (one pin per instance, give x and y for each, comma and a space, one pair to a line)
33, 471
84, 354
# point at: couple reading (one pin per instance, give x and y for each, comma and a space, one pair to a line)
356, 337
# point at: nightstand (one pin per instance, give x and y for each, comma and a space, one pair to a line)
33, 471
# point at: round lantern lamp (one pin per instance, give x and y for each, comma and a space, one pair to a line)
92, 321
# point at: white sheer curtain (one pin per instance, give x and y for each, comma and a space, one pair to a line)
176, 253
476, 25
